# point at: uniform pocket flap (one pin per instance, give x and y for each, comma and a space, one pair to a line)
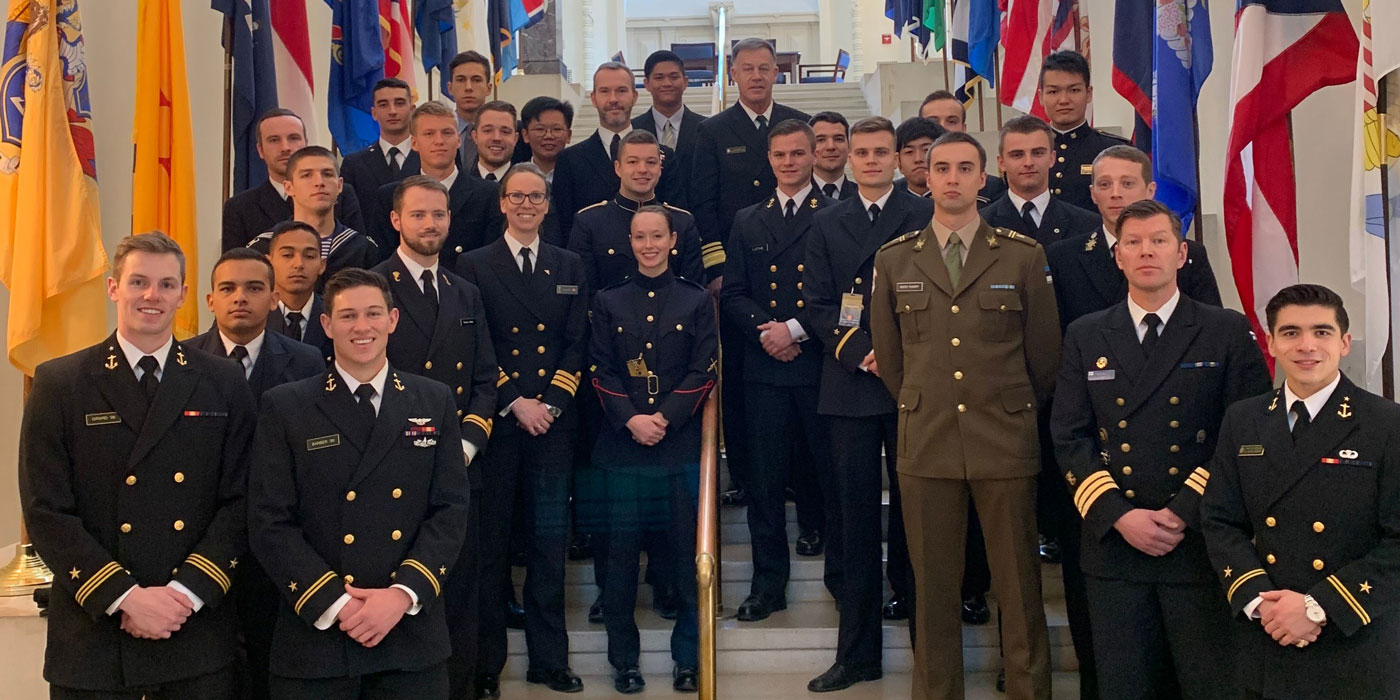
1018, 398
909, 398
999, 301
906, 302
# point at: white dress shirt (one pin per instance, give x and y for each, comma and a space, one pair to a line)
1164, 313
821, 184
607, 135
882, 201
384, 147
753, 116
799, 334
1040, 201
416, 271
276, 185
254, 347
451, 178
483, 171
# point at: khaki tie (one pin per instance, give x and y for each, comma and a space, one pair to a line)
953, 258
668, 136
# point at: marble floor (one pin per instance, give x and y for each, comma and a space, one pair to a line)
778, 686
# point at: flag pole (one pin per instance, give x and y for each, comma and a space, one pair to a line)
1388, 357
947, 81
996, 70
26, 572
981, 107
1197, 229
1078, 40
228, 105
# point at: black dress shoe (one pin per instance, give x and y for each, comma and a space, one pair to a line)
515, 615
975, 611
1050, 550
809, 544
734, 497
595, 611
560, 680
757, 607
685, 680
488, 687
629, 681
840, 677
581, 548
896, 609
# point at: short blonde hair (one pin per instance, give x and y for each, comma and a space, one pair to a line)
153, 242
431, 108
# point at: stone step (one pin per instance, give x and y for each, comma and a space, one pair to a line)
766, 685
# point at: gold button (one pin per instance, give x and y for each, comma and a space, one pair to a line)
651, 400
799, 285
1127, 471
857, 280
396, 535
956, 342
1122, 424
131, 480
539, 327
1173, 471
1003, 308
515, 352
772, 268
1119, 401
1174, 401
800, 267
428, 364
955, 308
648, 346
772, 285
459, 413
1271, 559
651, 294
650, 318
1319, 527
772, 303
1270, 521
540, 349
349, 579
126, 527
1063, 146
1174, 449
1175, 424
962, 408
906, 307
398, 493
1061, 159
675, 252
179, 477
1059, 175
350, 496
459, 366
1129, 493
514, 329
514, 375
611, 251
459, 391
1125, 447
756, 183
459, 249
179, 525
541, 372
957, 374
799, 303
1317, 564
349, 539
680, 327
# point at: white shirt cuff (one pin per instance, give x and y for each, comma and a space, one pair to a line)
506, 411
799, 334
117, 604
195, 600
1251, 610
412, 609
327, 618
469, 450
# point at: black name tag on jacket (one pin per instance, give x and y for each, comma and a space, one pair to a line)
568, 289
736, 149
467, 321
107, 418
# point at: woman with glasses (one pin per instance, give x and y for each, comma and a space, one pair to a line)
652, 355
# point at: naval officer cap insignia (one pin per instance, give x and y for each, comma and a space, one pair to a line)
1101, 363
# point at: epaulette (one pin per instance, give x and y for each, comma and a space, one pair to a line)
1112, 135
692, 283
594, 206
902, 239
1015, 236
669, 205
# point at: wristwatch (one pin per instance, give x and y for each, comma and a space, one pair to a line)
554, 411
1315, 613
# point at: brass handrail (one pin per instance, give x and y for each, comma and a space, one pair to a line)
707, 546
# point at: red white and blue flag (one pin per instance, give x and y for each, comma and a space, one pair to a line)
1025, 34
1284, 51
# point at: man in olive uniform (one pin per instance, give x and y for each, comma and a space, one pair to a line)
1066, 91
442, 334
132, 477
357, 508
1137, 411
1302, 517
966, 337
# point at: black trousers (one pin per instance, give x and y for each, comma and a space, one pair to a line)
856, 445
781, 418
218, 685
256, 598
461, 599
732, 415
426, 684
805, 480
1154, 636
534, 471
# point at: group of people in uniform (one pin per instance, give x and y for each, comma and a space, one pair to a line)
471, 346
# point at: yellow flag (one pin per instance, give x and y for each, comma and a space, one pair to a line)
162, 182
51, 256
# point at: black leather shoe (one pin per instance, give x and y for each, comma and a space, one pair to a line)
1050, 550
629, 681
560, 680
515, 615
488, 687
896, 609
757, 607
975, 611
686, 680
840, 677
809, 544
734, 497
595, 611
665, 601
581, 548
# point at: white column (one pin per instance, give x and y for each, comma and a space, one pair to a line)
590, 46
857, 68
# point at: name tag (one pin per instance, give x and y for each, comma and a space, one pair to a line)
1197, 365
759, 248
321, 443
908, 286
467, 321
107, 418
736, 149
1251, 451
569, 289
1086, 169
205, 414
637, 367
1102, 375
851, 306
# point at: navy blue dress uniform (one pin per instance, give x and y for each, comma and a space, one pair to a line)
366, 170
767, 256
1317, 514
602, 238
653, 349
1135, 428
539, 330
336, 497
475, 205
279, 360
992, 191
1072, 173
584, 174
119, 491
309, 330
848, 189
1087, 279
257, 210
685, 144
347, 248
860, 412
1059, 221
450, 342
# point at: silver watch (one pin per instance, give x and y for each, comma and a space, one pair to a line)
553, 411
1315, 613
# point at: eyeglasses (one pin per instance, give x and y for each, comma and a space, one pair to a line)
520, 197
553, 131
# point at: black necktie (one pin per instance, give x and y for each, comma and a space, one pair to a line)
762, 122
612, 146
429, 289
790, 210
149, 382
240, 355
364, 394
1301, 419
490, 177
293, 329
1027, 219
1149, 339
394, 166
874, 212
829, 190
526, 268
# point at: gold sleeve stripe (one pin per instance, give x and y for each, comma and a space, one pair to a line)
1197, 481
1350, 599
502, 379
1090, 486
1201, 472
478, 421
102, 575
844, 338
1230, 594
712, 253
565, 381
208, 567
311, 591
1089, 498
437, 589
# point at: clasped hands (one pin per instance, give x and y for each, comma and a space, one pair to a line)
371, 613
154, 612
776, 338
1284, 616
531, 415
1153, 532
648, 429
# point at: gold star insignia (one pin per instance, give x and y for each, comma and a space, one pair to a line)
292, 586
1229, 572
442, 571
233, 563
75, 573
1366, 587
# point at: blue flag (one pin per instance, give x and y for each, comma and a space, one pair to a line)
983, 35
254, 84
357, 63
437, 34
1181, 60
503, 19
1134, 34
